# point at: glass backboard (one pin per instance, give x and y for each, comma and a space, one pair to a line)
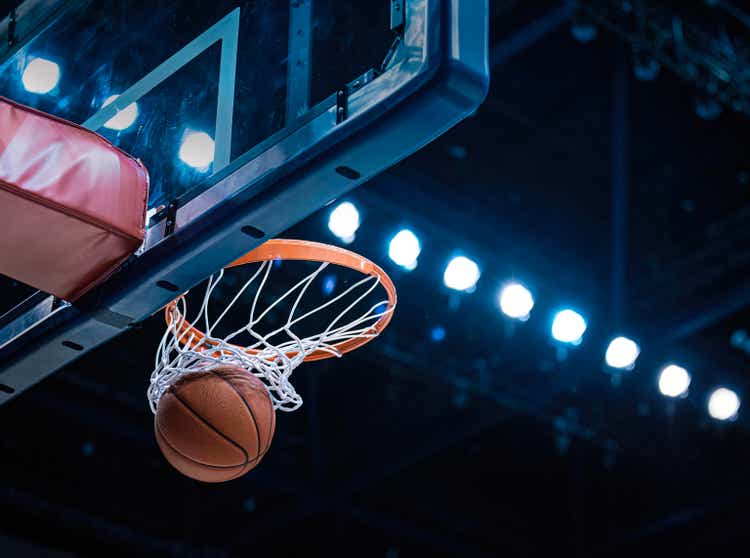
249, 116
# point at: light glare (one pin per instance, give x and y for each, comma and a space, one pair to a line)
568, 326
124, 118
40, 76
197, 150
723, 404
404, 249
461, 274
344, 221
622, 353
674, 381
516, 301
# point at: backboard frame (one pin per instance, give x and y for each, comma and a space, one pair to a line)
438, 76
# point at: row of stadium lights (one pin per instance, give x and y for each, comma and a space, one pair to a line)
42, 76
517, 302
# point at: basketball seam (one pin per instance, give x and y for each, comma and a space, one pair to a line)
243, 468
262, 452
192, 460
211, 426
259, 453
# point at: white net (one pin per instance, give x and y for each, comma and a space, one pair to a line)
274, 354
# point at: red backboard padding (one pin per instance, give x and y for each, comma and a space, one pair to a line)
72, 206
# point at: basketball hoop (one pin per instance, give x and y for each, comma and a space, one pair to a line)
273, 356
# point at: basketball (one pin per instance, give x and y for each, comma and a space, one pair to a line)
215, 425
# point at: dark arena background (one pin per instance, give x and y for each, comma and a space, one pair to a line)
605, 179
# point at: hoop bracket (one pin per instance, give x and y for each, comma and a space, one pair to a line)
171, 218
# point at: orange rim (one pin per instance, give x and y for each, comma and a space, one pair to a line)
284, 249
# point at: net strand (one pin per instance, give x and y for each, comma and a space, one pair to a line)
182, 351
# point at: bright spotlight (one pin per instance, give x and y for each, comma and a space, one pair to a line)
568, 327
197, 150
622, 353
40, 76
674, 381
344, 221
404, 249
516, 301
124, 118
723, 404
461, 274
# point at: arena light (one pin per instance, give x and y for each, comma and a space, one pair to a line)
582, 28
708, 108
124, 118
622, 353
437, 334
40, 76
197, 150
329, 285
516, 301
461, 274
568, 326
645, 67
344, 221
674, 381
404, 249
723, 404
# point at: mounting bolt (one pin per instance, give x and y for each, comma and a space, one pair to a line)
12, 39
342, 99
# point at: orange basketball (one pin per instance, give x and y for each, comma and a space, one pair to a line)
215, 425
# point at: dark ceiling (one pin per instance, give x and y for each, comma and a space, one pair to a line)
485, 443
